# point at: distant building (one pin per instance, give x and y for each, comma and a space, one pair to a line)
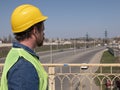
0, 42
67, 42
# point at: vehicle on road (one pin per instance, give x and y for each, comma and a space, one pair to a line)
84, 67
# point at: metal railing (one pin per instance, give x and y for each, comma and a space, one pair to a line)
82, 76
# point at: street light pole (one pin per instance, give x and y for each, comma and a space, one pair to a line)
74, 46
51, 55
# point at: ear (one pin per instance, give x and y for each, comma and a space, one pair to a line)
35, 30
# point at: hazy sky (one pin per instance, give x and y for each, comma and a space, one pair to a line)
69, 18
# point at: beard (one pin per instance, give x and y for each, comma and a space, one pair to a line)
40, 42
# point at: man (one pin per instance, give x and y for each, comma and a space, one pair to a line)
22, 69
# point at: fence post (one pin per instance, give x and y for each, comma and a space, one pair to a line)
51, 78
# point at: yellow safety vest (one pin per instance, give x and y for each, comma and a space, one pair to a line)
12, 58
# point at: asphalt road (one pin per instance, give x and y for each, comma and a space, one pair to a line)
70, 56
67, 56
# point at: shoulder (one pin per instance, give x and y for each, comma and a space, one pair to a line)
23, 73
23, 65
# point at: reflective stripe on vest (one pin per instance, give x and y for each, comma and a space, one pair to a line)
12, 58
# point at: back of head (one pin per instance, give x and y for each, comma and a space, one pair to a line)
25, 16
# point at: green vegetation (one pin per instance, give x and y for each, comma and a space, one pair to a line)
107, 58
4, 50
54, 47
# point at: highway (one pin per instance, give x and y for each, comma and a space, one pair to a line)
67, 56
70, 56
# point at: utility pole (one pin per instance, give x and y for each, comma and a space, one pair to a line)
87, 39
106, 37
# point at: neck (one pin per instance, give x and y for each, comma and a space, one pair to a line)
28, 43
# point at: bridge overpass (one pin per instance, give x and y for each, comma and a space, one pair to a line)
65, 72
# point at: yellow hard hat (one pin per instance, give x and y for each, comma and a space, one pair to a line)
24, 16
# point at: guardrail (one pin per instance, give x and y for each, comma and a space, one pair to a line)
114, 51
82, 76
